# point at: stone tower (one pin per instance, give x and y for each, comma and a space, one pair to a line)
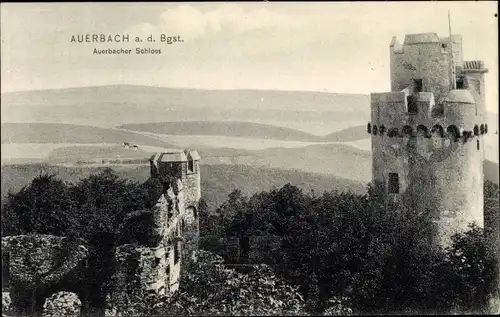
427, 133
183, 166
158, 244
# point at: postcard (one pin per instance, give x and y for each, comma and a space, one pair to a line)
249, 158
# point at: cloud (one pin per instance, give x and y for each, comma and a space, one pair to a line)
191, 22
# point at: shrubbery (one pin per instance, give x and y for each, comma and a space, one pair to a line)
346, 253
91, 209
378, 258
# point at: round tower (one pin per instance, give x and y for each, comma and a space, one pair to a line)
427, 135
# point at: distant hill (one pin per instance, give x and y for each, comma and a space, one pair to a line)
491, 171
346, 135
120, 104
88, 152
233, 129
338, 160
217, 180
333, 159
201, 98
70, 133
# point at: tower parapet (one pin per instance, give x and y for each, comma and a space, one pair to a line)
427, 134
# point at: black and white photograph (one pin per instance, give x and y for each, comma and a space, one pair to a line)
249, 158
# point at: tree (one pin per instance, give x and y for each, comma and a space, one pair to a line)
471, 273
213, 289
91, 210
41, 207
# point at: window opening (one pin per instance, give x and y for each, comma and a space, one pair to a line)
393, 183
412, 104
418, 85
177, 253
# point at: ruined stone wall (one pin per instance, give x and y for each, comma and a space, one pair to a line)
166, 170
191, 219
43, 259
41, 264
142, 269
156, 267
152, 268
62, 304
191, 236
193, 186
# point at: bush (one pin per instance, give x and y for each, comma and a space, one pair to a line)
213, 289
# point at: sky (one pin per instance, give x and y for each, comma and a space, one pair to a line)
340, 47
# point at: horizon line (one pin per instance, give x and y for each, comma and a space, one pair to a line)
184, 88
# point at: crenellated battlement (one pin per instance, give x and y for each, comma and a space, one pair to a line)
457, 108
474, 66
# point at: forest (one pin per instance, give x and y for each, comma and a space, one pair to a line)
339, 253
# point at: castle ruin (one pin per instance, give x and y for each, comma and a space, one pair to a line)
155, 264
155, 247
427, 133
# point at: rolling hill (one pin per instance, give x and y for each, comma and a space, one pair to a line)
217, 180
89, 152
491, 171
109, 106
144, 134
337, 160
247, 130
186, 97
70, 133
355, 133
231, 128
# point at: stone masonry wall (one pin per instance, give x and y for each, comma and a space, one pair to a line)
39, 264
156, 267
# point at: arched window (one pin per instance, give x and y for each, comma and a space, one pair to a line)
477, 145
407, 131
481, 129
437, 130
369, 128
476, 130
374, 130
453, 133
485, 128
382, 130
394, 132
466, 135
422, 131
192, 211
